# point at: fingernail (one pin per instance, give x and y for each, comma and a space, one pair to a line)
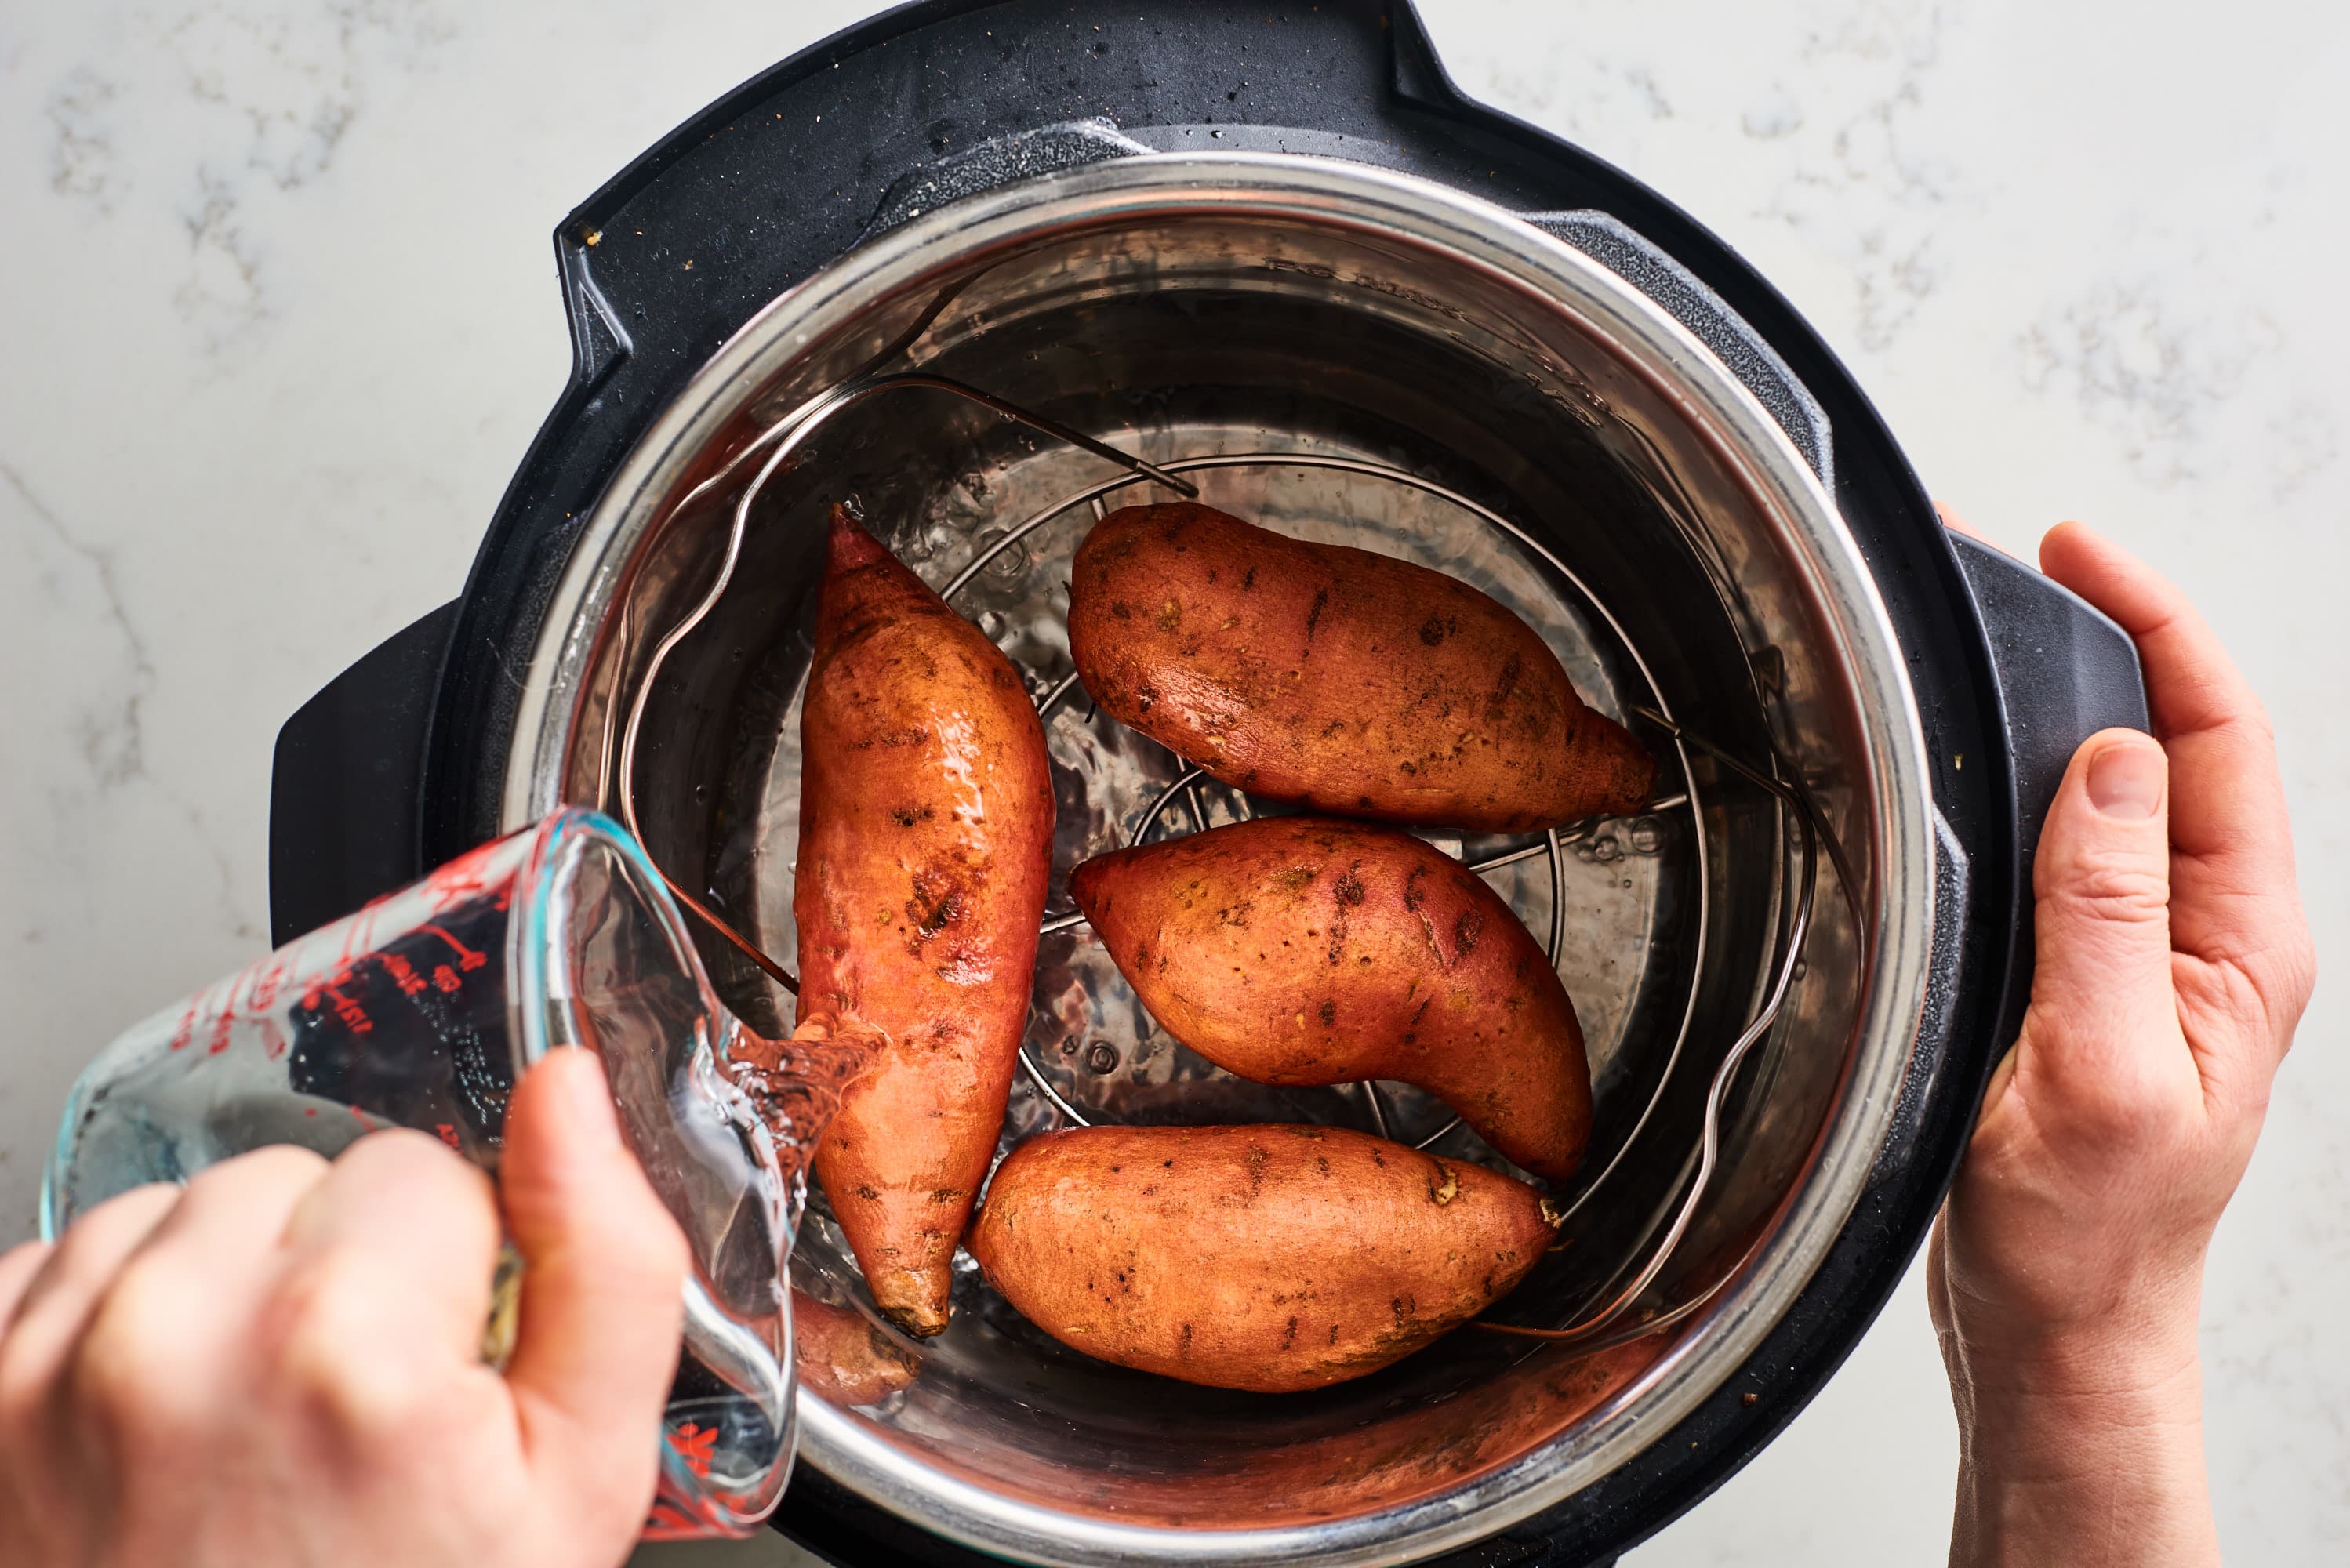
2126, 780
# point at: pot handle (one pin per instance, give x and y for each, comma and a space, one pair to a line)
346, 786
1684, 297
2064, 671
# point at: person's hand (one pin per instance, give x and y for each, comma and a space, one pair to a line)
2173, 963
280, 1363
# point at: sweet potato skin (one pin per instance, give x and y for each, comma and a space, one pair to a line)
926, 835
1272, 1259
1307, 950
844, 1356
1349, 681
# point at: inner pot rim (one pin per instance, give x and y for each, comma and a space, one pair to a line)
1790, 504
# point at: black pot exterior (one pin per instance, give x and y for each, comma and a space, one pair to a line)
396, 767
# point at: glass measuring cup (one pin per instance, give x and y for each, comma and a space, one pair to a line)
422, 1010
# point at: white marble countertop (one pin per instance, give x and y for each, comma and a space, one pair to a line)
280, 319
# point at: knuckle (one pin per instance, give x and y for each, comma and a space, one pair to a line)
329, 1363
273, 1165
23, 1253
398, 1152
25, 1375
253, 1178
2110, 1113
94, 1243
2299, 966
2126, 1115
2112, 887
427, 1177
129, 1369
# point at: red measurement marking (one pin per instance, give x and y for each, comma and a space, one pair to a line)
359, 1117
697, 1445
445, 978
265, 986
666, 1523
403, 974
309, 1110
467, 959
462, 875
315, 994
448, 1131
186, 1029
353, 1015
461, 879
272, 1040
224, 1030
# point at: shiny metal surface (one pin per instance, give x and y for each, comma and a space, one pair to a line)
1180, 306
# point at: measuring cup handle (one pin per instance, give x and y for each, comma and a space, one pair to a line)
345, 787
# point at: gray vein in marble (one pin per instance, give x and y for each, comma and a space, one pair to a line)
113, 737
115, 747
81, 156
277, 99
222, 293
1892, 259
2152, 379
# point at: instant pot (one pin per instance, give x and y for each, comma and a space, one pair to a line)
1275, 254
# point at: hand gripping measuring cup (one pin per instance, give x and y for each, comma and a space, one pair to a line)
422, 1010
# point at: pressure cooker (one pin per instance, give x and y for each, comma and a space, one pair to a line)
989, 267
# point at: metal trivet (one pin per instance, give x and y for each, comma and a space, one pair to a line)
1600, 1325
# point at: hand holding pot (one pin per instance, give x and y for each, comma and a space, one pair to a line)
2173, 965
280, 1363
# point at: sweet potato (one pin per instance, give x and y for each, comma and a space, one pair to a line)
926, 835
1304, 949
1350, 682
845, 1357
1264, 1258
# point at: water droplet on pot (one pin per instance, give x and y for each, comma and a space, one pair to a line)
1101, 1056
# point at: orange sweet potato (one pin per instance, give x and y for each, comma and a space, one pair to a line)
1350, 682
1303, 950
1264, 1258
926, 835
845, 1357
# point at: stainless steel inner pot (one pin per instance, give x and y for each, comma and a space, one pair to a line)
1404, 368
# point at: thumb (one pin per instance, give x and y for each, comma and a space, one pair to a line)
2102, 881
603, 1280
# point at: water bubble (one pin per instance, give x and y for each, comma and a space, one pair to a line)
1101, 1056
1606, 847
1648, 835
